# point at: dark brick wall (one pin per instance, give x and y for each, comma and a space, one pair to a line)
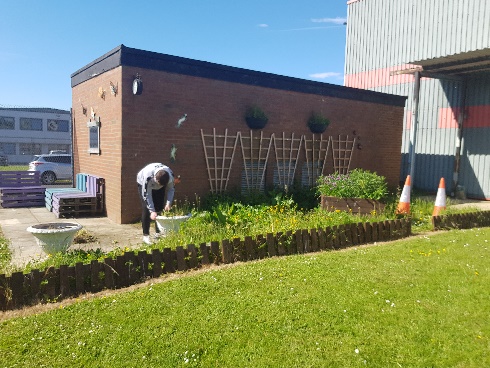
136, 130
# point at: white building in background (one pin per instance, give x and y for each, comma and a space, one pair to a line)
25, 132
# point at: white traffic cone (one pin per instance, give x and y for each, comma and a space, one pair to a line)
404, 204
440, 198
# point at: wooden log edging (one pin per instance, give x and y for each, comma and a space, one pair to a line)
461, 220
55, 284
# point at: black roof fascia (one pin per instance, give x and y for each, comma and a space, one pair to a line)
126, 56
46, 110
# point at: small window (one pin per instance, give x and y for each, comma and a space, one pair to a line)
94, 137
7, 122
31, 124
310, 172
30, 149
59, 148
7, 148
253, 177
58, 125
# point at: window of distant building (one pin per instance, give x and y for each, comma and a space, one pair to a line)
58, 125
30, 149
31, 124
7, 122
7, 148
64, 148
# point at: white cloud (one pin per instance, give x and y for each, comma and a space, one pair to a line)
326, 75
336, 20
263, 25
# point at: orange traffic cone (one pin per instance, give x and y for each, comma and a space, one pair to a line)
404, 204
440, 198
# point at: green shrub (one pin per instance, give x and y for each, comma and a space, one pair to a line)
357, 184
318, 119
255, 112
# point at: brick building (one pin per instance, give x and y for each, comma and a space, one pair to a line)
117, 129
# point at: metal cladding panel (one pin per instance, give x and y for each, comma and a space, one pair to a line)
476, 136
385, 36
475, 163
405, 30
436, 131
478, 92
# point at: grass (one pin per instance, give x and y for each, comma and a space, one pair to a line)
14, 168
419, 302
5, 256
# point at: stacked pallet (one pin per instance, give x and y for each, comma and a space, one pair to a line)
81, 187
21, 189
85, 200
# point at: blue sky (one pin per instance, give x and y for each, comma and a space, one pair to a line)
43, 42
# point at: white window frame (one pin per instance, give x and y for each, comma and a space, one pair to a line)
93, 128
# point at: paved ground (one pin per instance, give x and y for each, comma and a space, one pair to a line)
24, 247
109, 235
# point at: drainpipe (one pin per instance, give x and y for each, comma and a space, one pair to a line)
72, 123
415, 120
457, 154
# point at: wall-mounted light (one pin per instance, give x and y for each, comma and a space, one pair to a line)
137, 85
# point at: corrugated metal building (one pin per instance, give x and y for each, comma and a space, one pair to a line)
438, 54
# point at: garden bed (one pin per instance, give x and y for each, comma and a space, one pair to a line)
41, 286
355, 205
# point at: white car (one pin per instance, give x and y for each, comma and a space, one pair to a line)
52, 167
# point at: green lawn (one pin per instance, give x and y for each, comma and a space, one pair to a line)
14, 168
418, 302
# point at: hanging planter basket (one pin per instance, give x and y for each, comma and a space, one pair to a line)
317, 128
255, 118
256, 123
318, 123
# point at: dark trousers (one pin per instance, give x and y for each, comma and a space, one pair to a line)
158, 200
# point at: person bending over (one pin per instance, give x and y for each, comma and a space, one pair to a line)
155, 182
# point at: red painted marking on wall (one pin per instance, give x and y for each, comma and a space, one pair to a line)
448, 117
379, 77
408, 119
476, 117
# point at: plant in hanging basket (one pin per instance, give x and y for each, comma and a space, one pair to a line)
317, 123
255, 117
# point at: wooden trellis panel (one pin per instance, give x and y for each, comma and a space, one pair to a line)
287, 154
342, 149
255, 153
219, 152
316, 150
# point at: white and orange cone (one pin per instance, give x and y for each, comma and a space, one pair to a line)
440, 198
404, 204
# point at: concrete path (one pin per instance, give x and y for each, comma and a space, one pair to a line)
24, 247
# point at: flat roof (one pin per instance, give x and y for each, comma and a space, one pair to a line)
126, 56
47, 110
